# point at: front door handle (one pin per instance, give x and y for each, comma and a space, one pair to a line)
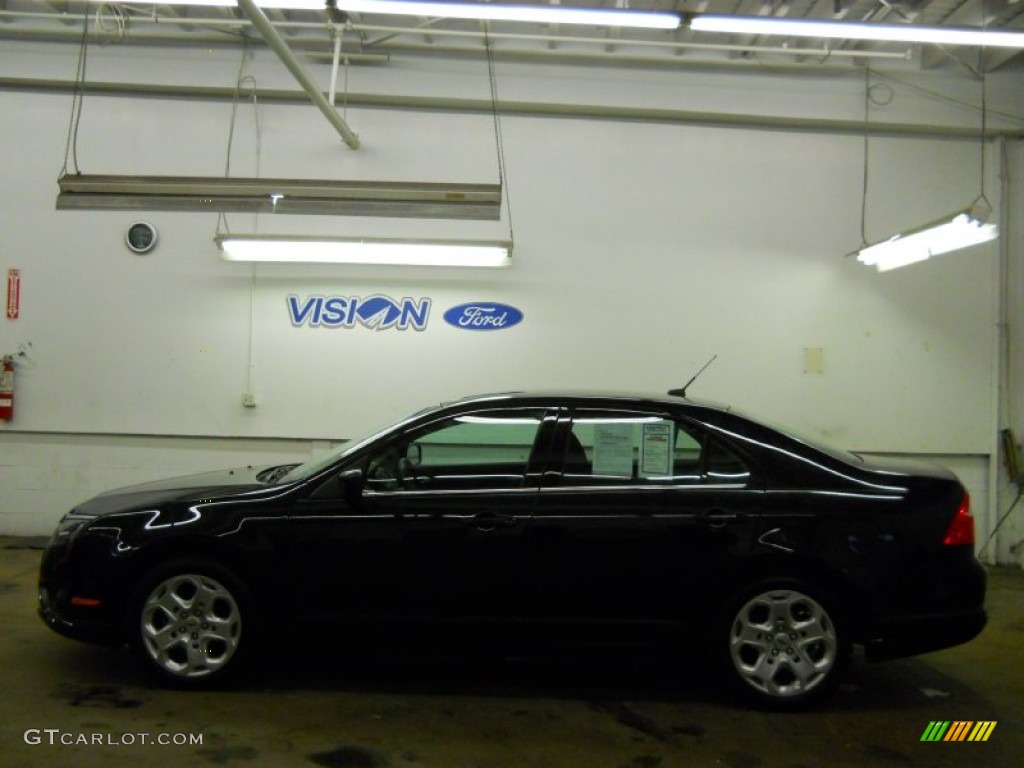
718, 517
489, 521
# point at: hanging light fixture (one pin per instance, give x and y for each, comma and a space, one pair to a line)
960, 230
390, 251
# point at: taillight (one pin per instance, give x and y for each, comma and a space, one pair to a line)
961, 527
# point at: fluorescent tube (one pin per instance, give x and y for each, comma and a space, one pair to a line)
549, 14
323, 250
959, 231
545, 14
845, 30
286, 5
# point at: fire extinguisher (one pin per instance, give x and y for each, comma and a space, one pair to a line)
7, 389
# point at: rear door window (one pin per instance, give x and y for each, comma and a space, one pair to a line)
629, 448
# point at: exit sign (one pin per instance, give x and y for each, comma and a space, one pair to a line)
13, 293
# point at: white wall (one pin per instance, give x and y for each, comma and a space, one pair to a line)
1009, 540
641, 249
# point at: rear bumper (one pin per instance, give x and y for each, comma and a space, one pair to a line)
909, 636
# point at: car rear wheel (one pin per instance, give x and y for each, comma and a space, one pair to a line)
189, 623
785, 646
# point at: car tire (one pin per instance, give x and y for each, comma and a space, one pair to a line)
784, 643
192, 623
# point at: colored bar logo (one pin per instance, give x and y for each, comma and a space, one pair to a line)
958, 730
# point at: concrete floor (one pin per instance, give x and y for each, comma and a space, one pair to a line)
459, 711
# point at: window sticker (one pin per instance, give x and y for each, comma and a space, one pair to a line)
613, 449
656, 450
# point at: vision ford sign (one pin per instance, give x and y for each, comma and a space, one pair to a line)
377, 312
483, 316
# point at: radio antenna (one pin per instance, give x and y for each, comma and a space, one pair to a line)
682, 391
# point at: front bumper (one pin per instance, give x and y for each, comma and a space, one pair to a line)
71, 623
82, 590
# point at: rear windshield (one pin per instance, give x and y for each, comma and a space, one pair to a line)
810, 441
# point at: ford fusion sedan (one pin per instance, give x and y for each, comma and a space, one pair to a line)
642, 516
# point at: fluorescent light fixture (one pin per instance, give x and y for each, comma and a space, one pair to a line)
544, 14
328, 250
219, 194
284, 5
961, 230
844, 30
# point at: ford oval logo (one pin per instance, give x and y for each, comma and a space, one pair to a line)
483, 316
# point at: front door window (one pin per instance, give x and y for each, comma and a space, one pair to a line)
487, 450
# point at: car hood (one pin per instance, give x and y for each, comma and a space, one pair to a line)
186, 488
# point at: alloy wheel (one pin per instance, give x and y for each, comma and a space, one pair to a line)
784, 644
190, 626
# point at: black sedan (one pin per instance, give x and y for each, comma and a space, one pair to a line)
635, 515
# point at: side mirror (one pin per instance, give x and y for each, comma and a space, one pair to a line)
347, 485
351, 483
414, 454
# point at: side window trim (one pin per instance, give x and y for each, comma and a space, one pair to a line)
543, 458
555, 469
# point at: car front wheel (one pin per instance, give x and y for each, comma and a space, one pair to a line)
189, 623
784, 645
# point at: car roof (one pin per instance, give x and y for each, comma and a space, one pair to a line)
581, 396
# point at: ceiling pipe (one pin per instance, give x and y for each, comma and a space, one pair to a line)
280, 47
529, 109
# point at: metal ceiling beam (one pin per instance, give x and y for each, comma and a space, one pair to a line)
221, 194
280, 47
667, 53
1001, 15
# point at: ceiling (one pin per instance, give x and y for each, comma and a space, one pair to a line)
374, 38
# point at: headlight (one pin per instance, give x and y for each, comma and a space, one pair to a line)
69, 527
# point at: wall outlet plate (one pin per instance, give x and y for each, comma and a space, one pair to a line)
249, 400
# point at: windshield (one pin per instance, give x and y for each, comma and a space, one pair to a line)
311, 467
